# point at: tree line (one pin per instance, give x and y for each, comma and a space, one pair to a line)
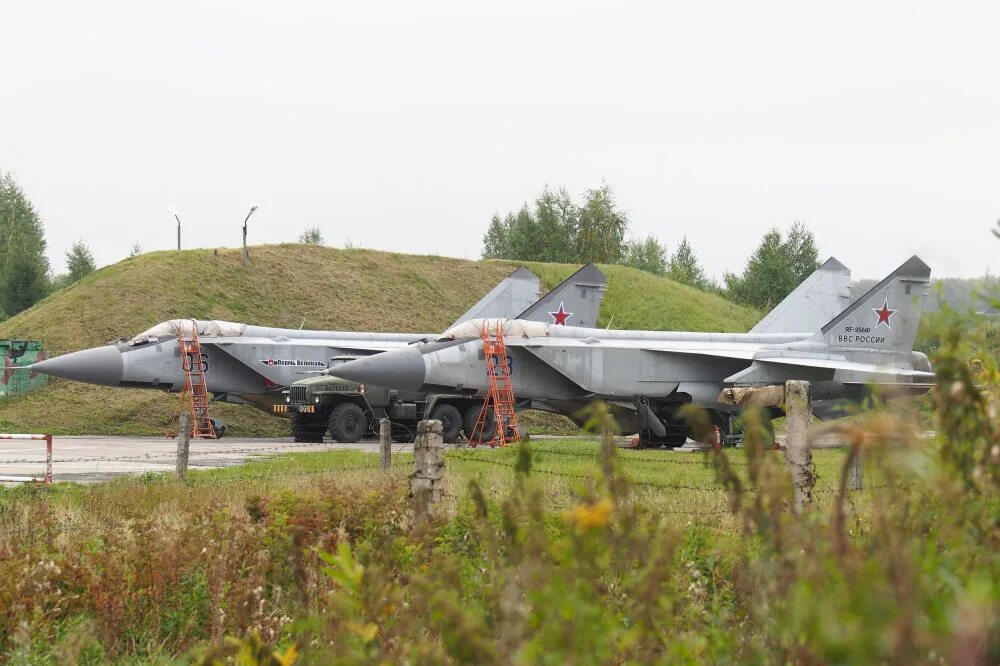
555, 228
25, 273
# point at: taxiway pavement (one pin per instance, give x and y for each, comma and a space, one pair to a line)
98, 458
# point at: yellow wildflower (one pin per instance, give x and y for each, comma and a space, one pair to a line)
590, 516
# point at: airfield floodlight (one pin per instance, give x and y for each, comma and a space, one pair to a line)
173, 211
246, 257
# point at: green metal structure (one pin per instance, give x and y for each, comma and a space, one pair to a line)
16, 354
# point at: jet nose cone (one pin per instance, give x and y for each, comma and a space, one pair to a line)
398, 369
100, 365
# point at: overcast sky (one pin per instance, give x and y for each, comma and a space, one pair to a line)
405, 126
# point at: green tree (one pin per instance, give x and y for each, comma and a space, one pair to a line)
496, 242
79, 261
775, 268
524, 235
556, 219
312, 236
647, 255
23, 265
601, 228
683, 267
60, 281
556, 229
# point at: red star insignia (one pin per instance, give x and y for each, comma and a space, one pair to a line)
560, 316
883, 314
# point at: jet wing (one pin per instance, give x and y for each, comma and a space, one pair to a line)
848, 366
625, 367
372, 346
282, 361
733, 351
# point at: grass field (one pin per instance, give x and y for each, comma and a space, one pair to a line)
291, 286
117, 549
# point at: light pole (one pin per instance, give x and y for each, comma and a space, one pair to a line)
177, 217
246, 257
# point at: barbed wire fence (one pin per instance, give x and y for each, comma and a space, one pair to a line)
714, 503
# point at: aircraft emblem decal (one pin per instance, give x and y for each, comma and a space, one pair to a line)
560, 316
285, 362
883, 314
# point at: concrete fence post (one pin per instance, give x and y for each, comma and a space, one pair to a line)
427, 480
183, 442
385, 442
855, 480
798, 453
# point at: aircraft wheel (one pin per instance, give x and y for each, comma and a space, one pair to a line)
677, 434
489, 429
451, 421
307, 428
348, 423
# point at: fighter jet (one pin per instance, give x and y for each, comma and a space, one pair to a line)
646, 376
248, 364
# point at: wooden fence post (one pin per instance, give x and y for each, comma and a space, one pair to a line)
385, 442
427, 480
183, 442
798, 453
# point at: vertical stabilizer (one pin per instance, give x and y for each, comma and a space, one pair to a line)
882, 323
575, 302
515, 293
821, 297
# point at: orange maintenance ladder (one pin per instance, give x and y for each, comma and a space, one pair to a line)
500, 399
194, 397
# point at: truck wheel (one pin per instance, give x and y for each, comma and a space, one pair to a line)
307, 428
347, 422
451, 421
489, 429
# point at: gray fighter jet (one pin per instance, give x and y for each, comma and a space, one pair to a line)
646, 376
249, 364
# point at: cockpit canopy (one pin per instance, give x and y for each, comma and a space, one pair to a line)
173, 327
473, 328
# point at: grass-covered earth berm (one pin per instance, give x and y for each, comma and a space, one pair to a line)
293, 286
558, 551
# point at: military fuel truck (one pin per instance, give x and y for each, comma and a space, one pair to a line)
350, 411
